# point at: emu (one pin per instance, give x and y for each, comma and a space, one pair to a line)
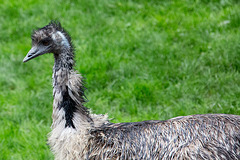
78, 134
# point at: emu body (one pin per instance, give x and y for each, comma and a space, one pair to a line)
78, 134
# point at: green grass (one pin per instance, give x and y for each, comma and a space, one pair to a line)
142, 60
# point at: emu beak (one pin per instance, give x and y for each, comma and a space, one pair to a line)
34, 52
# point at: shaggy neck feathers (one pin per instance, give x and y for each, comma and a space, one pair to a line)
68, 89
64, 60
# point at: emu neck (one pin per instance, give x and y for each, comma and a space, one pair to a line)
68, 110
63, 66
64, 60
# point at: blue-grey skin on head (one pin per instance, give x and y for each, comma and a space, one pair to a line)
49, 39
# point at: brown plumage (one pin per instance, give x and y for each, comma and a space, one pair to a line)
78, 134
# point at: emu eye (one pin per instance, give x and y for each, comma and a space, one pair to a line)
46, 42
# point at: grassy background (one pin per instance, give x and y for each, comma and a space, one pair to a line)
142, 60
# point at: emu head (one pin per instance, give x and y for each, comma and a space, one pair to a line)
50, 39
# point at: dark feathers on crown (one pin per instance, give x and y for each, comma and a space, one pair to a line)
53, 26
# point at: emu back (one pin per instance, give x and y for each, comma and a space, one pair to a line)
191, 137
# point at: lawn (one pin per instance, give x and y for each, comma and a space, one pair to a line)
142, 60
